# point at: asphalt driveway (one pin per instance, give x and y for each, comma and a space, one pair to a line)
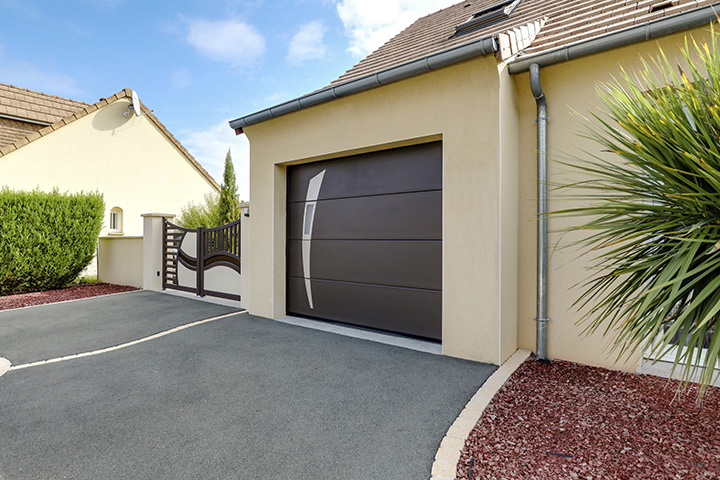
238, 397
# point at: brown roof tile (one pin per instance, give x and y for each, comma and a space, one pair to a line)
35, 106
13, 130
567, 21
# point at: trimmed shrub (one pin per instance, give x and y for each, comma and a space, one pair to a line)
46, 239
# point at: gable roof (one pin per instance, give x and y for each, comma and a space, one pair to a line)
556, 29
567, 21
26, 115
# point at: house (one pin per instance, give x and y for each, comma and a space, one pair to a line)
51, 142
404, 195
139, 166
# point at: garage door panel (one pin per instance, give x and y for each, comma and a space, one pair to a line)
407, 311
415, 264
408, 169
407, 216
365, 240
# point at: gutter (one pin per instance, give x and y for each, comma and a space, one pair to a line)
696, 17
477, 48
483, 46
26, 120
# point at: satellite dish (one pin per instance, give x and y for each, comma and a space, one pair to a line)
136, 104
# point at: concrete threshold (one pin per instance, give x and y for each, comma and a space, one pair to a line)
366, 334
420, 345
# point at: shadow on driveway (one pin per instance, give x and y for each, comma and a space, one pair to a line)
240, 397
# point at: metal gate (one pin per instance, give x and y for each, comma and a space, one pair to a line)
204, 261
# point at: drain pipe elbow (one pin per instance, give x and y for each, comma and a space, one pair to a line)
541, 285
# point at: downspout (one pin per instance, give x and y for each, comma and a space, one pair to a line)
541, 295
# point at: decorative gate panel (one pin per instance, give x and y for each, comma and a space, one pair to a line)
204, 261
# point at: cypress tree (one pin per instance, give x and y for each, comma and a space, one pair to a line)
229, 205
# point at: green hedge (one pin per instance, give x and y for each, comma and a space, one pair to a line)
46, 239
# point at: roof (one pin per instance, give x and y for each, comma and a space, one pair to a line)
26, 115
547, 30
24, 111
33, 106
567, 21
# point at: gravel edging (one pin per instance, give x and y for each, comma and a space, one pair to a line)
68, 294
568, 421
448, 455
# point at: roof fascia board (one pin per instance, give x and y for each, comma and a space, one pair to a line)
477, 48
638, 33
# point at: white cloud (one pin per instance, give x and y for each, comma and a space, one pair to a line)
307, 43
209, 147
181, 79
275, 97
228, 41
370, 23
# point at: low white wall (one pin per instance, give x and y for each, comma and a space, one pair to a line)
120, 260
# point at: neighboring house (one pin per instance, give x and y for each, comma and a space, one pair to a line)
403, 195
51, 142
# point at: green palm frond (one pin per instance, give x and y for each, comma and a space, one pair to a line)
652, 219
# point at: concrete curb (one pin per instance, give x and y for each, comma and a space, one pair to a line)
448, 455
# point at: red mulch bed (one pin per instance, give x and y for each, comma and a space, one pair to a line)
559, 420
69, 293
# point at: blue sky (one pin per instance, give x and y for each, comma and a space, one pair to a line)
196, 63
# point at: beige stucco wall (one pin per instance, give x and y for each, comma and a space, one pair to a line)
569, 85
129, 160
485, 119
120, 260
458, 105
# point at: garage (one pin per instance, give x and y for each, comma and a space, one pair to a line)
364, 240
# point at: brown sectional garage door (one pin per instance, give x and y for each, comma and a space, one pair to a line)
365, 240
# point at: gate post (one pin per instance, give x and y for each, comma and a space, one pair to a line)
245, 256
200, 282
153, 240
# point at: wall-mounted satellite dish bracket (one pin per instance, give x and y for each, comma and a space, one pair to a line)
135, 106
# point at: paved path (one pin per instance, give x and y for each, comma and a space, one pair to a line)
239, 397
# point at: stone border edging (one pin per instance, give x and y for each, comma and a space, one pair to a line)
448, 455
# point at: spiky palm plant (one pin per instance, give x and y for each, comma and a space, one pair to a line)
652, 219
